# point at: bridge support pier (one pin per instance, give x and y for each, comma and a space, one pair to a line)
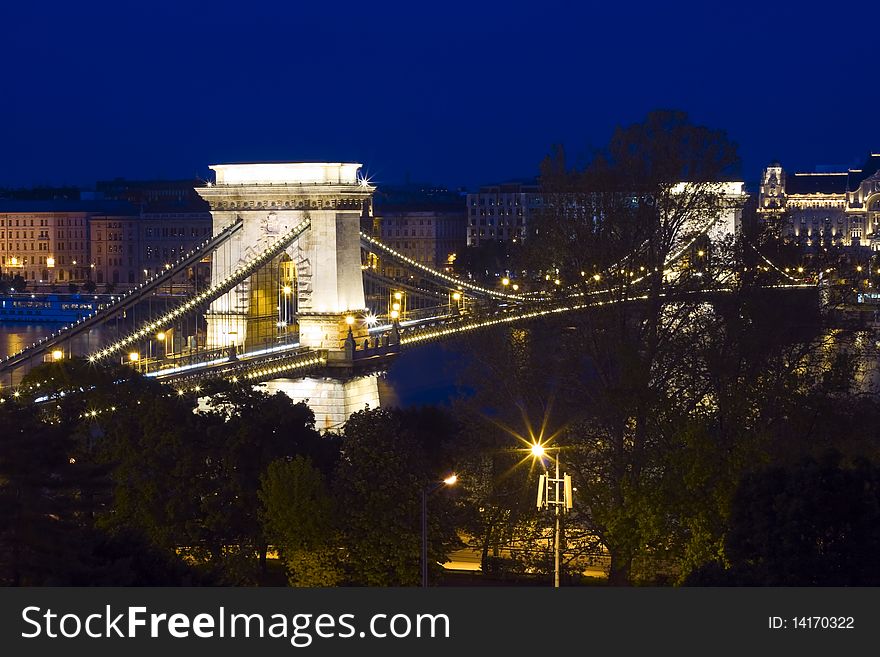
271, 199
332, 400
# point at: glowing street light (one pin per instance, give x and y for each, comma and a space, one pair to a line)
349, 319
427, 490
456, 296
57, 354
505, 281
559, 496
287, 290
160, 336
134, 356
597, 277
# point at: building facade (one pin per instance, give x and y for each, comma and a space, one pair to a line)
501, 212
126, 250
120, 240
433, 238
47, 241
815, 209
170, 220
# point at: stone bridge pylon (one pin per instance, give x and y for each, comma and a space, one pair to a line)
271, 199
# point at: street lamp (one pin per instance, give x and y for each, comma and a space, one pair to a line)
427, 490
560, 500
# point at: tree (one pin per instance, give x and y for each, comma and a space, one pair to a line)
813, 523
388, 458
37, 499
248, 429
297, 517
628, 225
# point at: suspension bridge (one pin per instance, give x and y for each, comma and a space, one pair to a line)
296, 298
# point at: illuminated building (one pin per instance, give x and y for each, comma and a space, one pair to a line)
423, 222
501, 212
821, 209
127, 249
169, 220
35, 233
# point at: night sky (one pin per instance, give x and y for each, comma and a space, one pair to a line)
457, 93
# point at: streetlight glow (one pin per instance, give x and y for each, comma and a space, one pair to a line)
450, 480
505, 281
134, 356
538, 450
57, 354
287, 289
160, 336
349, 319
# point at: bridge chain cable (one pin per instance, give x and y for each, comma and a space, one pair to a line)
226, 284
371, 243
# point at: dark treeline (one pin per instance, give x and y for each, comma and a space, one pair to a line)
130, 483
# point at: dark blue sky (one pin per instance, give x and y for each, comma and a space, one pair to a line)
459, 93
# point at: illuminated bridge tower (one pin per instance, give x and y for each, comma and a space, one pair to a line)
271, 199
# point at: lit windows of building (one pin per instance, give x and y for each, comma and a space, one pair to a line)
849, 199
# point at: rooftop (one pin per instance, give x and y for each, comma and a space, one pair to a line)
66, 205
287, 173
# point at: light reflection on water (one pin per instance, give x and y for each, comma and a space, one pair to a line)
15, 336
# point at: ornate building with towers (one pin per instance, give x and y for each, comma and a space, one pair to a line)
829, 208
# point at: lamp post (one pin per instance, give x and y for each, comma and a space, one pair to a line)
427, 490
560, 500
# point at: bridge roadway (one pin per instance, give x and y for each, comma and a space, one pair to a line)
389, 340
